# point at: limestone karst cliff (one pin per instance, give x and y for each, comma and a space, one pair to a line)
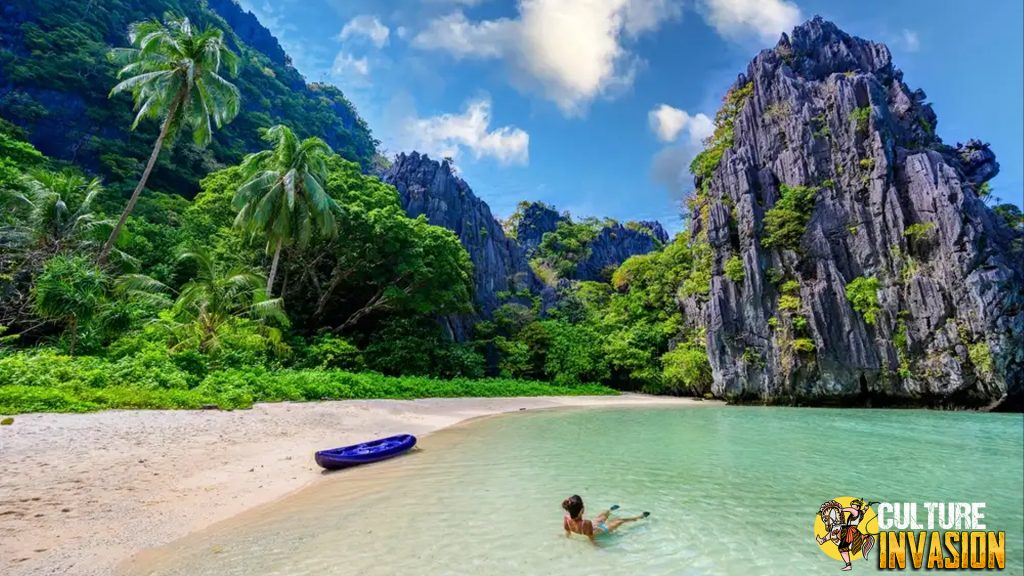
872, 270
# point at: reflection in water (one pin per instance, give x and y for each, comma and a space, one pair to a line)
731, 490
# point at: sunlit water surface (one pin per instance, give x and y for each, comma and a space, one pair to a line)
731, 490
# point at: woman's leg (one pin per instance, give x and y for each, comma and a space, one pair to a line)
604, 515
613, 525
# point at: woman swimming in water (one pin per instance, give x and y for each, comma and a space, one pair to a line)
574, 523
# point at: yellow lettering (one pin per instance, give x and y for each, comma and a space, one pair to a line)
917, 550
883, 539
997, 550
897, 557
934, 550
977, 549
952, 538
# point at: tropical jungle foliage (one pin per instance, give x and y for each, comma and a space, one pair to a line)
267, 265
56, 74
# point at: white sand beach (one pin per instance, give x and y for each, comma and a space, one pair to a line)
80, 493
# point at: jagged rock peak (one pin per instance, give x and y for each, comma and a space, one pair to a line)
818, 48
501, 271
872, 270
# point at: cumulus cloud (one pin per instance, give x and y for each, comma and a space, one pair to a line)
736, 19
367, 27
347, 65
686, 132
571, 51
667, 122
450, 134
458, 36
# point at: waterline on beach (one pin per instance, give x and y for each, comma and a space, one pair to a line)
732, 491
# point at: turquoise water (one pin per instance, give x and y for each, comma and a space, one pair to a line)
732, 490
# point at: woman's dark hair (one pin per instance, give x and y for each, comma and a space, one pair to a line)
573, 505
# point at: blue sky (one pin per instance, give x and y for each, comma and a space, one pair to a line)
595, 105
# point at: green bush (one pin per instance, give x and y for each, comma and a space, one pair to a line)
686, 368
802, 345
861, 116
981, 357
69, 290
330, 351
919, 232
734, 269
575, 354
1011, 214
786, 222
863, 296
705, 163
49, 382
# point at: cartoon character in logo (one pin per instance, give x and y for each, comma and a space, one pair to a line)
842, 528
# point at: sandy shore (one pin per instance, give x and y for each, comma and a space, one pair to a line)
79, 493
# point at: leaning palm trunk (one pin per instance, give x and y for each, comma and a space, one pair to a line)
273, 267
109, 244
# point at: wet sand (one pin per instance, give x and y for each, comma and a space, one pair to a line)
81, 493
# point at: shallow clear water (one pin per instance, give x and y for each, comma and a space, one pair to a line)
732, 490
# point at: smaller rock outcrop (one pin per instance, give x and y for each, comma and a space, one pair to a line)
531, 222
605, 243
615, 244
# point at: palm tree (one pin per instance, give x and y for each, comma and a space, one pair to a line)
54, 213
173, 71
218, 294
61, 208
69, 290
282, 195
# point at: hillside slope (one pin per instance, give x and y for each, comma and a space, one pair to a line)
55, 76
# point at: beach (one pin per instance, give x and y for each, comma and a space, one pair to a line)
81, 493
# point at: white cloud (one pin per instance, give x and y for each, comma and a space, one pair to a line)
736, 19
368, 27
461, 38
667, 122
571, 51
348, 65
671, 165
910, 41
449, 134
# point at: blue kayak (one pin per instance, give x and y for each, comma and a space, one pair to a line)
365, 453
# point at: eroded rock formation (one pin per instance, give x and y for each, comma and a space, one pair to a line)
828, 114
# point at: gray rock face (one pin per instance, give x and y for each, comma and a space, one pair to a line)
501, 268
615, 244
830, 111
430, 188
536, 220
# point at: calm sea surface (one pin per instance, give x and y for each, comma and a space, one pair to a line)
732, 490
